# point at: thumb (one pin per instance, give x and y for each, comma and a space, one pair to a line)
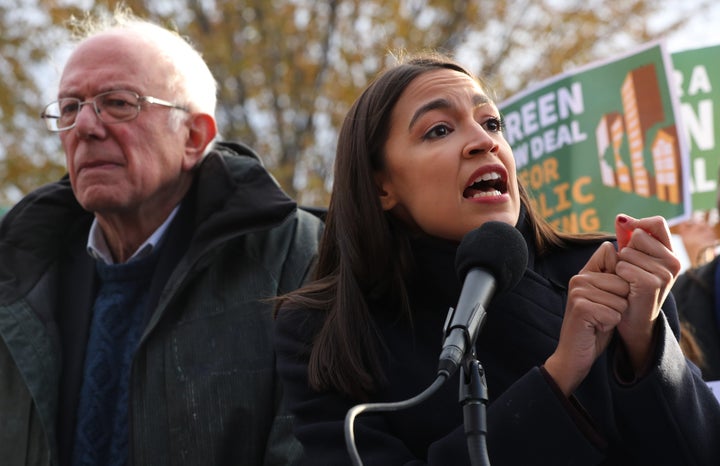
603, 260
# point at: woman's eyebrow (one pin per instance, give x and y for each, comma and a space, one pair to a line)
430, 106
478, 100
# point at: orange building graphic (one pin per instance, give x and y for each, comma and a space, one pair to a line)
666, 158
610, 134
654, 165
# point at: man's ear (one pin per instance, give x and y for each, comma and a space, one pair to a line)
201, 132
385, 191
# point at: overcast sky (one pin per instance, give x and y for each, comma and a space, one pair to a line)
704, 30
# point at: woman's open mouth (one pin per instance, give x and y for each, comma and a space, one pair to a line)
488, 184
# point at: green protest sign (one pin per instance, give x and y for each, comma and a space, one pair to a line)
697, 74
602, 140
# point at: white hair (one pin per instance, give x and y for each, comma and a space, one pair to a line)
190, 80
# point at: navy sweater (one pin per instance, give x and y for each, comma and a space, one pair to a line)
101, 434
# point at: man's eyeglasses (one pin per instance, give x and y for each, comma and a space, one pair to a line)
110, 107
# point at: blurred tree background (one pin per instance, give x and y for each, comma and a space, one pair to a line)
289, 69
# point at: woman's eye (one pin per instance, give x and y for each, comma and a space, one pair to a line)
494, 125
438, 131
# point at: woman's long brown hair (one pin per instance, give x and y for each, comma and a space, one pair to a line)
364, 253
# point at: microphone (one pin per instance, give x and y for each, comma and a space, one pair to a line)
490, 260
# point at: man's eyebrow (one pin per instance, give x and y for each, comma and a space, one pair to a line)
102, 89
478, 100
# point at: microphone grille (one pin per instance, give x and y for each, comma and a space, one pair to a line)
498, 248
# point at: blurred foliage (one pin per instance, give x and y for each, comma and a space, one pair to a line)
28, 156
288, 70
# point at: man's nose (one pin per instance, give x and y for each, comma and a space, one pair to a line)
87, 121
87, 115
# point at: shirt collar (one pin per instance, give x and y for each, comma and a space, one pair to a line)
98, 248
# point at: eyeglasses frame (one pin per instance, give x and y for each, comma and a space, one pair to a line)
93, 100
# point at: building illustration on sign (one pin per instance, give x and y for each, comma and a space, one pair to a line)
628, 160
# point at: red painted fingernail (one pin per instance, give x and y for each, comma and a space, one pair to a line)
622, 219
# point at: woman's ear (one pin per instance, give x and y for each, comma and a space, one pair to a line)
201, 132
385, 191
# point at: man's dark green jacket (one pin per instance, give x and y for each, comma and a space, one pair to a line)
203, 389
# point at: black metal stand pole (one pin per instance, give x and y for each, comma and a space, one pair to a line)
473, 399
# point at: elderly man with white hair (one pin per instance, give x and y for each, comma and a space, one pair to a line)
135, 324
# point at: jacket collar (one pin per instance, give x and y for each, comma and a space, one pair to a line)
232, 188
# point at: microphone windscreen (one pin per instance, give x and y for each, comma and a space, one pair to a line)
496, 247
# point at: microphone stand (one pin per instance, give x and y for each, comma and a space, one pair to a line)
473, 399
